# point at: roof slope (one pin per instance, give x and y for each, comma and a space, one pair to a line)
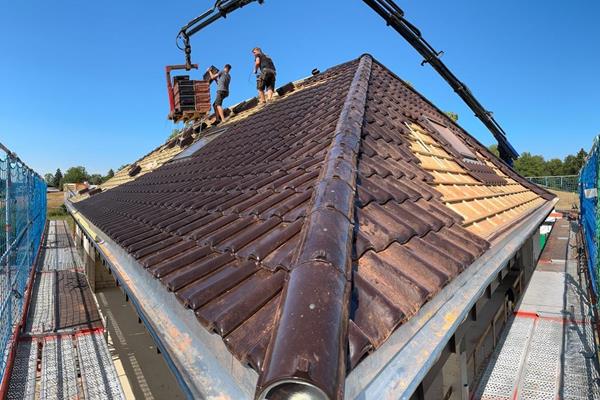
334, 213
204, 129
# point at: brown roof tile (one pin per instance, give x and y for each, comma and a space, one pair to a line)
334, 213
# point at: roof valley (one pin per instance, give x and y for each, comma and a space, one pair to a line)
319, 284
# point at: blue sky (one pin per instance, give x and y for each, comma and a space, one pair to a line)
83, 81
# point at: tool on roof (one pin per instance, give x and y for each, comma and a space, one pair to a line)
394, 17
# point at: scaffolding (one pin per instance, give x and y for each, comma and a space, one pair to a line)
588, 198
62, 352
22, 220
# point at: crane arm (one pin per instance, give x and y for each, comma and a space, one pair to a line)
220, 9
394, 17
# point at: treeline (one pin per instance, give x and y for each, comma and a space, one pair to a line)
76, 175
536, 165
527, 165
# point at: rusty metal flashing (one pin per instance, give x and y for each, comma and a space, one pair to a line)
199, 360
319, 284
397, 368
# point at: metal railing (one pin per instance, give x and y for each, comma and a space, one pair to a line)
565, 183
22, 220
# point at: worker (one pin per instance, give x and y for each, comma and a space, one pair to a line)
223, 78
266, 79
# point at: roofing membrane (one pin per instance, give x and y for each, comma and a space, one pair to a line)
333, 213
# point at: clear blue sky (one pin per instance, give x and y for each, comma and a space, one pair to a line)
82, 82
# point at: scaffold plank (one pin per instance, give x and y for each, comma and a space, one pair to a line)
58, 235
42, 311
59, 374
98, 374
501, 376
77, 309
60, 259
23, 376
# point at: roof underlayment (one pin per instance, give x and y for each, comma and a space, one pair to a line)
334, 213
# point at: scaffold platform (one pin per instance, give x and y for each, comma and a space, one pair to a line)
548, 349
62, 352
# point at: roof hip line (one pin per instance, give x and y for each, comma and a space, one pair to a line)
307, 352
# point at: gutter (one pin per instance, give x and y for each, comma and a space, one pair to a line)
201, 363
398, 367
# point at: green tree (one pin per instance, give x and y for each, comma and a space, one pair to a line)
49, 178
530, 165
58, 179
493, 148
109, 175
123, 166
75, 175
554, 167
573, 163
95, 179
453, 116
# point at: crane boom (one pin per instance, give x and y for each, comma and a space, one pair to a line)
220, 9
394, 17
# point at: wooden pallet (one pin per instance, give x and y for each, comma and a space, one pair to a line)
187, 116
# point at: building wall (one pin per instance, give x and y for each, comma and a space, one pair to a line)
103, 277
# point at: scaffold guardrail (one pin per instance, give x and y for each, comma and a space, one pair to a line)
22, 220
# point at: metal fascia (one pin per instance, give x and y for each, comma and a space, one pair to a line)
397, 368
200, 361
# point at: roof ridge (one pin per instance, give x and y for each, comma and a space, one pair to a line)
318, 287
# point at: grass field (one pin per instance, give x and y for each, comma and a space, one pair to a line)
55, 211
55, 199
566, 200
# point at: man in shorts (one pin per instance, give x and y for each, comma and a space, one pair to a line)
266, 79
223, 78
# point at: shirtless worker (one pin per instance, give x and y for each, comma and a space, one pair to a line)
266, 79
223, 78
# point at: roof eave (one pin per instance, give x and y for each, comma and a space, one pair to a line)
199, 360
397, 368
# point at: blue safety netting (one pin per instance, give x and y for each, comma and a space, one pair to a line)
22, 221
588, 195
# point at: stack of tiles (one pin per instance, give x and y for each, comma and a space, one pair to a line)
191, 95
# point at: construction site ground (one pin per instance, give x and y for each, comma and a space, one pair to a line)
548, 349
567, 201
